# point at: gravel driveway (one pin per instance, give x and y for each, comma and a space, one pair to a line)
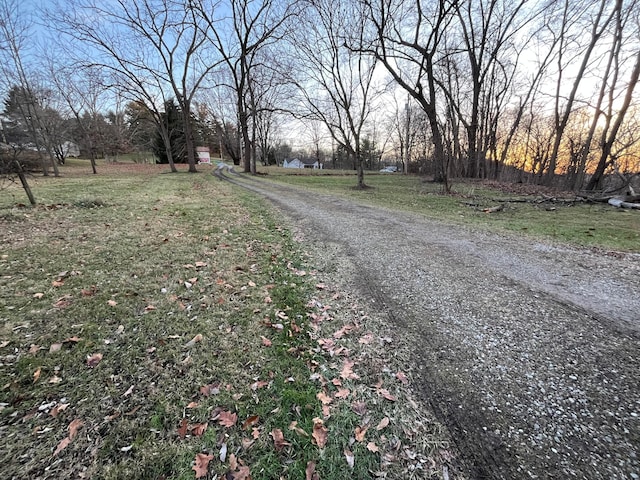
527, 351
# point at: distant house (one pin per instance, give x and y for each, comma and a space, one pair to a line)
307, 163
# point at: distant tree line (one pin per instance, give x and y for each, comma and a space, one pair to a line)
541, 92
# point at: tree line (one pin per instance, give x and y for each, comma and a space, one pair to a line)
516, 90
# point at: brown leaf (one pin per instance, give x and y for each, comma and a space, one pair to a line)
360, 408
193, 341
55, 379
55, 347
112, 303
227, 419
73, 428
57, 283
383, 423
192, 405
182, 428
386, 394
93, 360
255, 433
38, 295
211, 389
347, 371
265, 341
324, 398
34, 349
342, 393
294, 426
233, 462
360, 432
372, 447
57, 409
202, 464
36, 374
199, 429
310, 471
73, 339
250, 422
278, 439
243, 473
348, 455
129, 391
320, 432
62, 445
402, 377
89, 292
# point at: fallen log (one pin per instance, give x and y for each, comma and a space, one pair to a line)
625, 202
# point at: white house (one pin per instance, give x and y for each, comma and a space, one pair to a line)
297, 163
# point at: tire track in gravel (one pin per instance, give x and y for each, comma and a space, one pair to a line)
527, 351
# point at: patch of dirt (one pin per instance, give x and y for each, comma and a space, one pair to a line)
527, 351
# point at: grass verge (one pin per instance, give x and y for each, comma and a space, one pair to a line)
529, 210
167, 326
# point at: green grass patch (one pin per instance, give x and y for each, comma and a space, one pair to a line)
529, 212
138, 306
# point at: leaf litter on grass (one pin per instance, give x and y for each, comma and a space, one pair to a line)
224, 360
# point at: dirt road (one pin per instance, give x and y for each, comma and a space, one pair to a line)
527, 351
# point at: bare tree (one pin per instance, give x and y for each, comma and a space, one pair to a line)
154, 48
239, 31
409, 36
15, 35
336, 78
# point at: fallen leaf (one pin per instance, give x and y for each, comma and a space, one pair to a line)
347, 371
93, 360
126, 449
402, 377
129, 391
372, 447
120, 330
73, 428
36, 374
243, 473
62, 445
202, 464
320, 432
193, 405
72, 340
250, 422
89, 292
366, 339
57, 409
227, 419
112, 303
193, 341
383, 423
233, 462
38, 295
265, 341
349, 457
55, 347
55, 379
255, 433
324, 398
360, 432
278, 439
199, 429
57, 283
34, 349
342, 393
360, 408
211, 389
294, 426
310, 471
5, 343
223, 452
182, 428
386, 394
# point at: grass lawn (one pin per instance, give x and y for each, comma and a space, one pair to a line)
581, 223
167, 326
